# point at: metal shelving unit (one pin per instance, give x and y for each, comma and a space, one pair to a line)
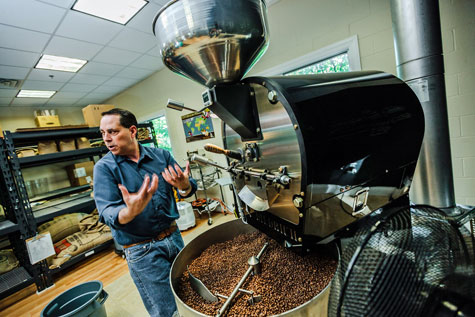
207, 180
19, 226
22, 219
78, 258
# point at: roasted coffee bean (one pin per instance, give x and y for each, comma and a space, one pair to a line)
287, 280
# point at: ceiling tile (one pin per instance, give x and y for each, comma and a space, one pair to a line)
5, 100
144, 19
61, 3
44, 74
154, 51
88, 79
61, 46
62, 101
133, 40
29, 102
8, 92
31, 15
12, 37
69, 95
11, 72
109, 89
122, 82
78, 87
88, 28
41, 85
100, 69
135, 73
99, 95
116, 56
18, 58
148, 62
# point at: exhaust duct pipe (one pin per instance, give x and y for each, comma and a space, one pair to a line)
419, 61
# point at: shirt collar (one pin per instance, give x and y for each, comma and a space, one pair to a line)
143, 154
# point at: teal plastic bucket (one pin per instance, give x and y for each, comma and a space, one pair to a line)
86, 299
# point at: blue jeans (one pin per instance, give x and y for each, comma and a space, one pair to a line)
149, 265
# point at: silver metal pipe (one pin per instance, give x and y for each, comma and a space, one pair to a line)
243, 279
418, 45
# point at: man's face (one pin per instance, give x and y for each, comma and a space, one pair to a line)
118, 139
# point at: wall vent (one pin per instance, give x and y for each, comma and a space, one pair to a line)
10, 83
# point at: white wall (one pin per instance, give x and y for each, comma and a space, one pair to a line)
458, 36
12, 118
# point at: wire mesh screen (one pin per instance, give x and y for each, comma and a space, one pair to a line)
395, 262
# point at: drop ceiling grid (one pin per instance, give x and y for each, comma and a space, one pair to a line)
118, 56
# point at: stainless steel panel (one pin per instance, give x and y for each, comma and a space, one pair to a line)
212, 41
278, 147
330, 207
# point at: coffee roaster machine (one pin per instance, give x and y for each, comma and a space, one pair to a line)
310, 156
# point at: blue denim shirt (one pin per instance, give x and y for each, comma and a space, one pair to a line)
112, 170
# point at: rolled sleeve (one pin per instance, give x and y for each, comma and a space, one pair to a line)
107, 196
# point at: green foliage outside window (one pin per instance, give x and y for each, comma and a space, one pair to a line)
161, 130
334, 64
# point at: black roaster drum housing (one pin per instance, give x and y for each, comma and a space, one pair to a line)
350, 141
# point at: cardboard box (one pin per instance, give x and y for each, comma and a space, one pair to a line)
92, 114
67, 145
83, 143
80, 173
47, 121
47, 147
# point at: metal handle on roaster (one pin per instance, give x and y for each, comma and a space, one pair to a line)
278, 178
238, 286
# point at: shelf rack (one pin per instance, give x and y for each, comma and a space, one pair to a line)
204, 180
22, 219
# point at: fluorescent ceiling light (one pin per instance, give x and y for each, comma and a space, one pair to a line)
64, 64
120, 11
35, 93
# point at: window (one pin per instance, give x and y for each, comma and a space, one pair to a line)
161, 131
333, 64
159, 122
342, 56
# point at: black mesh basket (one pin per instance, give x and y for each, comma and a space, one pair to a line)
403, 264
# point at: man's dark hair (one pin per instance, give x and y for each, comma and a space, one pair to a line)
127, 118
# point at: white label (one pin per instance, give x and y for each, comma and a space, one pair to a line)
40, 247
80, 172
88, 179
89, 253
420, 88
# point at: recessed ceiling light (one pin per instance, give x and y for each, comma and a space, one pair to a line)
120, 11
35, 93
64, 64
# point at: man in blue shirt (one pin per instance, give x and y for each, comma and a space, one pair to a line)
140, 207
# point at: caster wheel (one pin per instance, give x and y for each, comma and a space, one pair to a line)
210, 221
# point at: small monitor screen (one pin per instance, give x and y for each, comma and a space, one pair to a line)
198, 126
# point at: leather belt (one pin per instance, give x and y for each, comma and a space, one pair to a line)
162, 235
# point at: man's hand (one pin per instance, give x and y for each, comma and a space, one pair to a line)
177, 178
136, 202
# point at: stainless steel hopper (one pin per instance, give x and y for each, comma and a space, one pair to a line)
212, 42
